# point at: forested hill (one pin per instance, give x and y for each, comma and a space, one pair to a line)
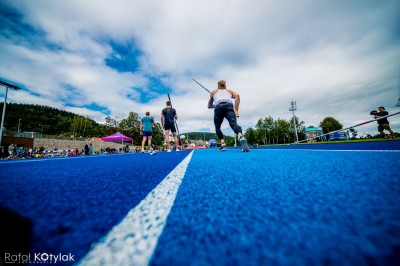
204, 136
200, 135
47, 120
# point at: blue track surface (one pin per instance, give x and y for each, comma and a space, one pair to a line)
285, 208
73, 202
267, 207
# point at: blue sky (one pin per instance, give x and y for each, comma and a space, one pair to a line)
100, 58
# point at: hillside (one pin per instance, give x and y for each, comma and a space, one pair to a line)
48, 120
205, 136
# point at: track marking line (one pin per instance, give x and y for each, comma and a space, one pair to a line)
329, 150
134, 239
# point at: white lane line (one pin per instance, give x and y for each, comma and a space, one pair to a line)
133, 241
329, 150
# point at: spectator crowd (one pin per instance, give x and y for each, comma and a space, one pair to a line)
14, 152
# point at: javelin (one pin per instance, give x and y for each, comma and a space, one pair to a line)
211, 101
363, 123
202, 86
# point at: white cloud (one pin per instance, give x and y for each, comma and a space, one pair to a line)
335, 59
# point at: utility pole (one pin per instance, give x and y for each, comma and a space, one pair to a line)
7, 85
292, 109
19, 122
398, 84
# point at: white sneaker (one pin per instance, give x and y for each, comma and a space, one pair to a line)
223, 147
243, 144
168, 150
177, 149
143, 151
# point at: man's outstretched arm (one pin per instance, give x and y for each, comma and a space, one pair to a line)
237, 102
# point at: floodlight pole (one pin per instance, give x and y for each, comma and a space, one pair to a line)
19, 123
41, 131
2, 117
292, 109
7, 85
398, 85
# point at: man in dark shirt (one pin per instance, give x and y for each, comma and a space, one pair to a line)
168, 117
383, 124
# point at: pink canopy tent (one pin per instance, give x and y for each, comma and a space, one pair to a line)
117, 137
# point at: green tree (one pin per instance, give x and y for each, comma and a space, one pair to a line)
81, 127
270, 131
330, 124
75, 126
261, 131
283, 130
264, 129
130, 127
251, 136
274, 133
158, 135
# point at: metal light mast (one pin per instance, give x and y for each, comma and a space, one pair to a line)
398, 84
292, 109
7, 85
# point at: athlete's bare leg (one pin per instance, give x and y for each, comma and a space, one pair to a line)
167, 139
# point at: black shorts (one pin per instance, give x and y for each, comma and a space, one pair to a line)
170, 126
384, 127
147, 134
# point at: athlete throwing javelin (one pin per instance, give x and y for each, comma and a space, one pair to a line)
222, 98
383, 124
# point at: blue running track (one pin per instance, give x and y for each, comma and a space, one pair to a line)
323, 204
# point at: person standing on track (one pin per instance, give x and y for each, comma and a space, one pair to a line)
383, 124
221, 98
146, 130
168, 117
11, 151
